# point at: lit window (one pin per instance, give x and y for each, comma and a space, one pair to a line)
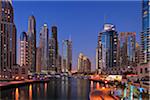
5, 11
145, 12
8, 11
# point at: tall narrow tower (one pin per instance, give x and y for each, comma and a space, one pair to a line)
44, 47
67, 56
32, 43
145, 34
54, 36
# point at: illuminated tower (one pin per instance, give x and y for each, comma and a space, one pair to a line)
106, 55
23, 49
145, 34
44, 47
7, 38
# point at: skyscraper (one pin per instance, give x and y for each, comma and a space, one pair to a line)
145, 34
127, 49
52, 57
67, 56
38, 59
54, 36
24, 49
44, 47
99, 60
137, 53
80, 64
32, 43
7, 38
84, 64
106, 55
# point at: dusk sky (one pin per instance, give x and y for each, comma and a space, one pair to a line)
81, 20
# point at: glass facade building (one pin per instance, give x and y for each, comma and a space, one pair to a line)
145, 34
127, 49
44, 34
106, 55
66, 55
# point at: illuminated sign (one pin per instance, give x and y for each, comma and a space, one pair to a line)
108, 27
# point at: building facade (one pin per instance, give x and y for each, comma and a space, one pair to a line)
44, 34
38, 60
7, 39
137, 54
66, 56
106, 52
99, 63
54, 36
52, 55
145, 34
32, 43
84, 64
127, 49
24, 60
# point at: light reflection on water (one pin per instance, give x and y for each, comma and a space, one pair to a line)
56, 89
17, 94
30, 92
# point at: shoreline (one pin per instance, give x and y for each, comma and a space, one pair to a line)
13, 84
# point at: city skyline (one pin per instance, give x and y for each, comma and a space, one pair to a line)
68, 25
75, 50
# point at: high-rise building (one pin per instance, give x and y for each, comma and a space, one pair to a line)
38, 60
52, 57
99, 66
127, 49
67, 56
84, 64
59, 63
32, 43
7, 38
44, 47
24, 49
80, 63
137, 54
54, 36
145, 34
106, 52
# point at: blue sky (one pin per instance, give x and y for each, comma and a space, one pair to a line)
82, 20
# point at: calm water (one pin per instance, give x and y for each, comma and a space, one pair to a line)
56, 89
